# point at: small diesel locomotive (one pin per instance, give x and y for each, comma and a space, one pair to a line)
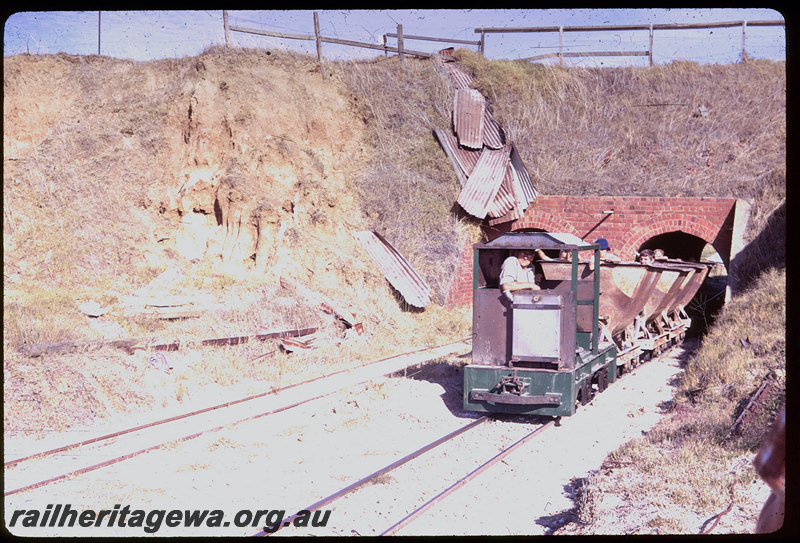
546, 351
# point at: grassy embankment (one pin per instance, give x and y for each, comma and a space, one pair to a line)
78, 214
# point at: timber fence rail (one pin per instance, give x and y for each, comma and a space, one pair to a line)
619, 28
481, 43
319, 39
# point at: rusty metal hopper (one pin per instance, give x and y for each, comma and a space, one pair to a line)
669, 288
692, 285
625, 288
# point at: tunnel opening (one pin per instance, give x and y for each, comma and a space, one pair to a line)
704, 308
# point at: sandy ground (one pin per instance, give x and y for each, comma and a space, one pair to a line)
292, 459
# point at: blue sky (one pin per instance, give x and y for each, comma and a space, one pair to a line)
147, 35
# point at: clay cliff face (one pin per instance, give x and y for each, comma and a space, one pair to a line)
217, 157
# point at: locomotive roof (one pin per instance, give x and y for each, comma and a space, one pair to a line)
537, 240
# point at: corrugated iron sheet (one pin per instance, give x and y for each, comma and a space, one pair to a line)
469, 113
482, 186
450, 145
465, 159
461, 79
493, 135
489, 188
523, 176
507, 197
395, 268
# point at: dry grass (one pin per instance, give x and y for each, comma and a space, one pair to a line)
407, 188
91, 166
673, 130
690, 460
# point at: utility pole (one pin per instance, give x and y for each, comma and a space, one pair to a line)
98, 32
225, 27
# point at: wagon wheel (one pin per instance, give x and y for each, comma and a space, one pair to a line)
602, 379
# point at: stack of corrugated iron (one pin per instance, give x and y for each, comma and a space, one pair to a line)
494, 180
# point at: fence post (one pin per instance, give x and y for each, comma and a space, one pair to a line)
744, 33
650, 51
385, 52
98, 33
319, 45
561, 45
225, 26
483, 44
400, 45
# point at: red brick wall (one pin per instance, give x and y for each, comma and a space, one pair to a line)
635, 220
461, 290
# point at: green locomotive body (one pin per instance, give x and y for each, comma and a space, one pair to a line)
540, 352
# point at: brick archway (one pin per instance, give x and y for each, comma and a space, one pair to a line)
545, 221
666, 224
627, 222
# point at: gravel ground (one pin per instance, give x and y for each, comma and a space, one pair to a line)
290, 460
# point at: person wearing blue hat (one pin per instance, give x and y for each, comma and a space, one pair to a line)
605, 253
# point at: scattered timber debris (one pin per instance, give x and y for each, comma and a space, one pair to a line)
754, 404
130, 345
323, 302
292, 344
166, 306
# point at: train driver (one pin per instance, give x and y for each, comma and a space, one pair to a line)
518, 272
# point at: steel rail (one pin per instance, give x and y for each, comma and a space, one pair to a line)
464, 480
394, 465
63, 448
215, 429
128, 456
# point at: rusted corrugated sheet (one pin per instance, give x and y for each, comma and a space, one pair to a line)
507, 197
465, 159
493, 136
469, 110
523, 176
461, 79
450, 146
396, 268
481, 188
512, 215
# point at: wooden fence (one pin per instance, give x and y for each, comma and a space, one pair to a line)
481, 43
617, 28
319, 39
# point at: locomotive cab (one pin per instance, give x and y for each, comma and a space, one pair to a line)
537, 351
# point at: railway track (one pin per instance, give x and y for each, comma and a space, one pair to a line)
425, 507
428, 505
406, 514
127, 443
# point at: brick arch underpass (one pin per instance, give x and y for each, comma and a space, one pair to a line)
634, 221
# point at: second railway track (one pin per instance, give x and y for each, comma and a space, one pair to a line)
33, 470
298, 456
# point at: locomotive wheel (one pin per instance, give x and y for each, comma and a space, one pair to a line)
585, 391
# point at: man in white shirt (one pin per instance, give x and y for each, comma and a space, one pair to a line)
518, 273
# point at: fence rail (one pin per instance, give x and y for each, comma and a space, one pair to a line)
319, 39
561, 55
481, 43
